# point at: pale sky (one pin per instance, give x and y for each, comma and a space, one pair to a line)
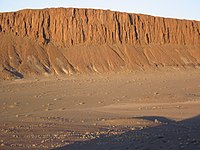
183, 9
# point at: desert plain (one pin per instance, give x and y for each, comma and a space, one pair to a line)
128, 110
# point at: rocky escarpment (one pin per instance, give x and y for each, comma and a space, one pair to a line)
67, 41
76, 26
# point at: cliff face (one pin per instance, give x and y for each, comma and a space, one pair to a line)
77, 26
73, 40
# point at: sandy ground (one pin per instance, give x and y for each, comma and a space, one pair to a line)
140, 110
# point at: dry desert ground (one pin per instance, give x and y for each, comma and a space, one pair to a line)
139, 110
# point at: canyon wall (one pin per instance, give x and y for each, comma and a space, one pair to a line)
68, 41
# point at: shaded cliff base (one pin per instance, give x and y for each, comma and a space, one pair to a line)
21, 57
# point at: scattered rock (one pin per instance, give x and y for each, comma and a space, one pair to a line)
42, 141
154, 107
61, 109
118, 100
47, 109
27, 115
16, 103
156, 121
87, 133
81, 103
49, 104
133, 128
156, 93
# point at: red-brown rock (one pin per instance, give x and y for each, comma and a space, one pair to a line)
67, 41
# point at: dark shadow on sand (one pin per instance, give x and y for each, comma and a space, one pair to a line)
171, 135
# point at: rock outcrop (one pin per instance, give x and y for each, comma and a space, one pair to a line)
68, 41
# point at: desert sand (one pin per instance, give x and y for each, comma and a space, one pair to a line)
140, 110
